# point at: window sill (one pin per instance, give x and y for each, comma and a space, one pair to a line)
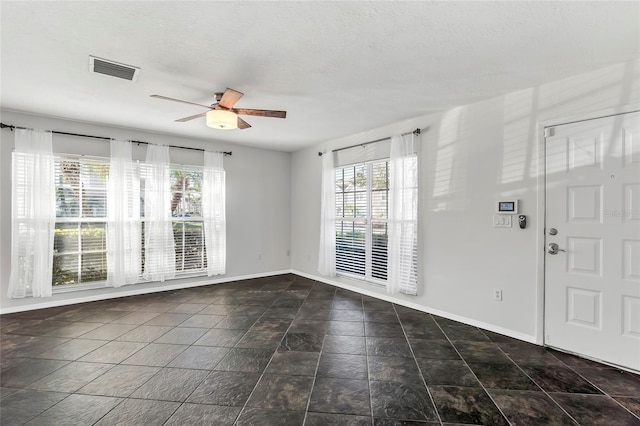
68, 288
103, 284
360, 279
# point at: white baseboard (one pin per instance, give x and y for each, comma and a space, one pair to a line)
135, 292
469, 321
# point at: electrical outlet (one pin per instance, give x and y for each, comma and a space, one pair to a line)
259, 256
497, 295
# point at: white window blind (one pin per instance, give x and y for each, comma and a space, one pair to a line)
186, 218
362, 193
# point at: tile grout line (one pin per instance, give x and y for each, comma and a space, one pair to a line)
318, 365
320, 356
235, 422
180, 403
278, 293
536, 383
266, 365
366, 354
570, 367
113, 365
147, 344
433, 403
473, 372
313, 382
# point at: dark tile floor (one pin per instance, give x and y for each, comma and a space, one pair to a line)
286, 350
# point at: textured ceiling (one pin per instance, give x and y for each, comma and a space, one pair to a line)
338, 68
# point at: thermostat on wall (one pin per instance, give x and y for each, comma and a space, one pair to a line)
507, 207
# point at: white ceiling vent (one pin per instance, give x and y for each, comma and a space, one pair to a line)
113, 69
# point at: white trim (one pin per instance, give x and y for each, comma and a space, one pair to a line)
540, 235
453, 317
135, 292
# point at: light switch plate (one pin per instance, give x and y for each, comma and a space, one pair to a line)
502, 221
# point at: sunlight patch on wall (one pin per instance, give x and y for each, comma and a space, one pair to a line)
445, 176
518, 133
598, 86
585, 94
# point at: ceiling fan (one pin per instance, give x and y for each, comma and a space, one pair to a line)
222, 114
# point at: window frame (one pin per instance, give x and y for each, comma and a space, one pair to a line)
189, 219
368, 221
80, 220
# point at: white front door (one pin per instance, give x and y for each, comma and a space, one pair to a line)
592, 265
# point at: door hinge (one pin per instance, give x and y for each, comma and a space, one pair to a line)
548, 131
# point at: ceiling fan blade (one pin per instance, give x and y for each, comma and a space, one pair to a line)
243, 124
261, 112
192, 117
178, 100
229, 98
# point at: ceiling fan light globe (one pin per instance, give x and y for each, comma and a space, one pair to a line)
222, 119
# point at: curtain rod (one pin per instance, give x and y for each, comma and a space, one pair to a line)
415, 132
12, 127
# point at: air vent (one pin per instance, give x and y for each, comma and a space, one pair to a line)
113, 69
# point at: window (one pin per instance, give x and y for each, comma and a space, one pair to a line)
80, 252
79, 245
362, 212
186, 211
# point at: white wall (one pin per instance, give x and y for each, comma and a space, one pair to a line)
258, 199
471, 156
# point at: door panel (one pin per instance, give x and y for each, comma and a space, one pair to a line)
592, 277
584, 256
631, 315
584, 308
585, 203
631, 266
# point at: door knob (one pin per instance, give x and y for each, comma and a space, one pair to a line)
553, 248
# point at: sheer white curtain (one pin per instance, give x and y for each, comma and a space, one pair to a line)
124, 228
33, 214
159, 248
403, 216
213, 212
327, 249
